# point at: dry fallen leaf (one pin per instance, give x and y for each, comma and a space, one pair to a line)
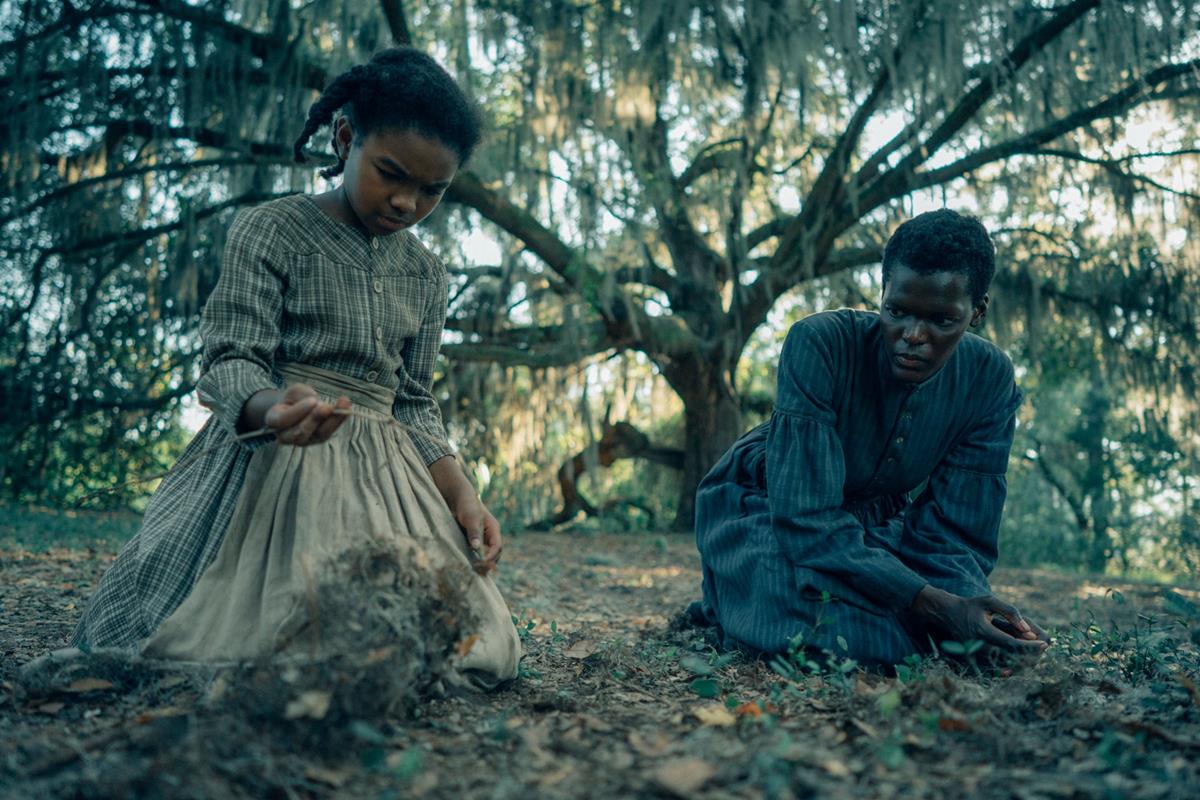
866, 728
715, 714
51, 708
377, 655
147, 717
650, 745
466, 644
682, 776
835, 767
953, 724
88, 685
329, 777
582, 649
749, 709
313, 704
218, 688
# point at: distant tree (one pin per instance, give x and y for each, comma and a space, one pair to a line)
663, 173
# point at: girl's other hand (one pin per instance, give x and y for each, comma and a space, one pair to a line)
301, 417
479, 526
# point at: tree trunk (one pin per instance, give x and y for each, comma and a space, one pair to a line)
712, 421
1095, 423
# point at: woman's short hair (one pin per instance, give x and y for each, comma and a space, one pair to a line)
944, 241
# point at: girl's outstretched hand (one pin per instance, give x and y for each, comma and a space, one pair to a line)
300, 417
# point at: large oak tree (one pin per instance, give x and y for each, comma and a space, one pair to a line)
661, 173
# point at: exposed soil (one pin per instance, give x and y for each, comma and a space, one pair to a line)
616, 701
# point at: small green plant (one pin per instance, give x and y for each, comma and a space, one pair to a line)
964, 649
524, 625
912, 669
1138, 652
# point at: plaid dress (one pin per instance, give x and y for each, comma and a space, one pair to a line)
296, 287
805, 526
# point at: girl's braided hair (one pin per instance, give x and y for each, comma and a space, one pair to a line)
400, 89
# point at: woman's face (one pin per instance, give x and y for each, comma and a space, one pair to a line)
923, 316
392, 180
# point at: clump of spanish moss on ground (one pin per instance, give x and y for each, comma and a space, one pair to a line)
383, 635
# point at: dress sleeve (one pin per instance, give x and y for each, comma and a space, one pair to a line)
806, 474
241, 320
415, 404
951, 530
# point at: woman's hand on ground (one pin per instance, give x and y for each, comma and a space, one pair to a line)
300, 417
987, 619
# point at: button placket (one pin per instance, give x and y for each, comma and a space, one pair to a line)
372, 309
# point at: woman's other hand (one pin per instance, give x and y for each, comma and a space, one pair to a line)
987, 619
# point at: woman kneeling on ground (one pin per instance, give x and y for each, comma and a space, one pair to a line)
806, 529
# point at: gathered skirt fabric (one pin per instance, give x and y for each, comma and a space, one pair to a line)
296, 511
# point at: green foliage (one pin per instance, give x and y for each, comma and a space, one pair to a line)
38, 529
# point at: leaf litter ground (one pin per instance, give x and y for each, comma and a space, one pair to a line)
617, 699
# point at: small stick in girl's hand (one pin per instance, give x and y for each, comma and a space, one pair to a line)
481, 565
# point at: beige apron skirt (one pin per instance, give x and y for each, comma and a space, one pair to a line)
299, 509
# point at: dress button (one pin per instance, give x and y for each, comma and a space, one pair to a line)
899, 440
372, 375
379, 332
375, 242
377, 285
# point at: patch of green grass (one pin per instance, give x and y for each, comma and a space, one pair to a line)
39, 529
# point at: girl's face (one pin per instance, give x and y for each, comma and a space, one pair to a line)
392, 179
923, 317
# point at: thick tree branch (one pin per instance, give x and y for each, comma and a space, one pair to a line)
1113, 166
397, 22
649, 275
118, 175
143, 234
830, 185
1029, 143
537, 357
205, 137
1076, 506
989, 83
712, 157
468, 190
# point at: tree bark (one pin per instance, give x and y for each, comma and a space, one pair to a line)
712, 422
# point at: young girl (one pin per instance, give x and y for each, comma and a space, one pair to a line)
325, 302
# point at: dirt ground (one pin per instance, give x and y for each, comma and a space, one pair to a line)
615, 701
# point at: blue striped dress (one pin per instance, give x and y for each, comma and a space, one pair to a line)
805, 527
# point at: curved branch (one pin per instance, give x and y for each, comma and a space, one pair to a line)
539, 357
974, 100
143, 234
1029, 143
70, 188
